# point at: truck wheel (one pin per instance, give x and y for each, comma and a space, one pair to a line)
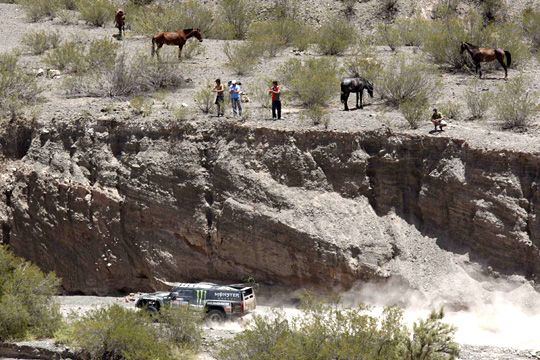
152, 310
216, 315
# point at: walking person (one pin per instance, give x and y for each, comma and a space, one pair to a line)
219, 89
236, 99
275, 91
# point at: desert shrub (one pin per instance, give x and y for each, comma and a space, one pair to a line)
66, 17
414, 111
329, 332
116, 333
477, 101
181, 325
74, 57
268, 38
242, 57
260, 92
96, 12
348, 8
412, 31
126, 78
317, 115
171, 17
40, 41
67, 57
531, 26
141, 2
389, 35
446, 9
26, 299
204, 98
510, 37
364, 63
237, 17
452, 110
407, 79
39, 9
335, 37
388, 7
515, 104
141, 105
304, 37
444, 40
68, 4
193, 49
494, 10
313, 82
181, 113
17, 88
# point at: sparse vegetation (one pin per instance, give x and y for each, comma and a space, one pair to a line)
515, 104
389, 35
243, 57
452, 110
478, 102
414, 111
347, 334
407, 79
494, 10
193, 49
141, 105
317, 115
531, 25
26, 299
335, 37
237, 17
39, 9
313, 82
363, 63
73, 57
96, 12
40, 41
204, 98
17, 88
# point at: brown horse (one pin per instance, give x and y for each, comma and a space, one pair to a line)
120, 22
178, 38
480, 55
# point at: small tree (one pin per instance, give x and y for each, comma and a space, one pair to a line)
414, 111
242, 58
40, 41
96, 12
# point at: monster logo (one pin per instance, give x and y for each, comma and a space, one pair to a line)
201, 296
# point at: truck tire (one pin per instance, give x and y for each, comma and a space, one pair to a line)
215, 315
152, 310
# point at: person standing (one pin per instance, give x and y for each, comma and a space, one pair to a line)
236, 99
219, 89
275, 91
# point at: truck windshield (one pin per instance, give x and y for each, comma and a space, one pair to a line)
247, 292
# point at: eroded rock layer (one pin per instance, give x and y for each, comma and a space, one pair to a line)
112, 206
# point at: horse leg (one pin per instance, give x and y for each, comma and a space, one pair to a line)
361, 99
357, 95
345, 99
479, 69
500, 59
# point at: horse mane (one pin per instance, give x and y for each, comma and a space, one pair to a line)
471, 45
187, 31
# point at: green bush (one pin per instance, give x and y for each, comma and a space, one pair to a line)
242, 57
363, 63
335, 37
271, 36
327, 332
181, 326
510, 37
317, 115
67, 57
204, 98
16, 87
494, 10
68, 4
414, 110
116, 333
40, 41
452, 110
193, 49
407, 78
96, 12
515, 104
313, 82
446, 9
237, 17
171, 17
40, 9
141, 105
26, 299
101, 54
412, 31
478, 102
389, 35
444, 40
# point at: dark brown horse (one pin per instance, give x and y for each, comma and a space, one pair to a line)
120, 22
480, 55
177, 38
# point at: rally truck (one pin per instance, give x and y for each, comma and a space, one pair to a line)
219, 302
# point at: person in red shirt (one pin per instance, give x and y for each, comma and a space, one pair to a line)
275, 91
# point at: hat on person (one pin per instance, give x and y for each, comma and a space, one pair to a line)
234, 82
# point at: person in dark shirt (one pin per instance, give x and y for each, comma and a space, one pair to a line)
437, 120
219, 89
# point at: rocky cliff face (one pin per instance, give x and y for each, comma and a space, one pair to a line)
112, 205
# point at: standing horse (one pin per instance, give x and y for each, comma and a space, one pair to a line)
120, 22
357, 85
480, 55
177, 38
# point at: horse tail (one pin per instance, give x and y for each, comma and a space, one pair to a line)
508, 58
153, 45
343, 95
